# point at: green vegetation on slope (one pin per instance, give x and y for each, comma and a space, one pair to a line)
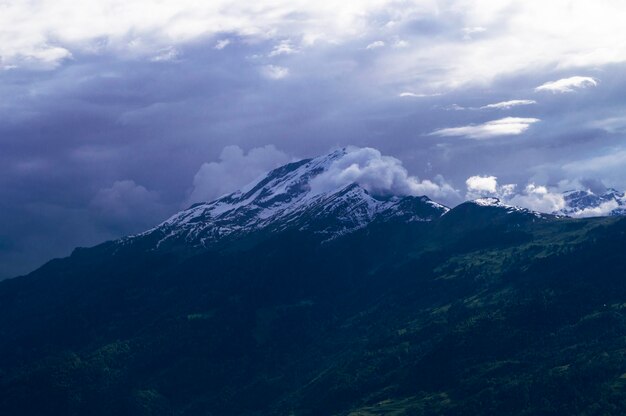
479, 313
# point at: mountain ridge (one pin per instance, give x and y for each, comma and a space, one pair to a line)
287, 198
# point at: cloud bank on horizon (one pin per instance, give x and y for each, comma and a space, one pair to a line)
109, 110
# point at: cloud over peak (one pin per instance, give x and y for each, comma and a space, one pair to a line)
482, 184
532, 196
380, 175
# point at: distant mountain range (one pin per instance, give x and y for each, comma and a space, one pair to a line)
290, 298
585, 203
285, 199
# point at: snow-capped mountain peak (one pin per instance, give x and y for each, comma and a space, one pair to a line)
286, 199
496, 202
586, 203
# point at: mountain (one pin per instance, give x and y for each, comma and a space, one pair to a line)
287, 298
586, 203
498, 207
285, 199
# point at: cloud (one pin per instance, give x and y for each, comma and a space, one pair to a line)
568, 84
505, 105
501, 32
234, 170
57, 28
482, 184
417, 95
109, 112
614, 161
610, 125
375, 45
274, 72
400, 43
509, 126
607, 166
469, 31
221, 44
601, 210
380, 175
166, 55
285, 47
533, 197
487, 186
454, 107
538, 198
127, 206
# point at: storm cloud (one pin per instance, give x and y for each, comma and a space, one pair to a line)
113, 118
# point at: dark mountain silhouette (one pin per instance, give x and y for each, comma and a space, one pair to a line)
281, 301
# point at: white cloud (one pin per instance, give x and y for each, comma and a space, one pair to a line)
505, 105
487, 186
572, 33
221, 44
601, 210
234, 170
533, 197
509, 126
400, 43
469, 31
538, 198
417, 95
568, 84
375, 45
482, 184
380, 175
166, 55
285, 47
46, 31
274, 71
454, 107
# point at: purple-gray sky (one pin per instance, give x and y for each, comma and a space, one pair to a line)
115, 114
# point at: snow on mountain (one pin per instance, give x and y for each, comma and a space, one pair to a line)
585, 203
496, 202
289, 198
284, 199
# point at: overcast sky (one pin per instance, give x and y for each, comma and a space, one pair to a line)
116, 114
